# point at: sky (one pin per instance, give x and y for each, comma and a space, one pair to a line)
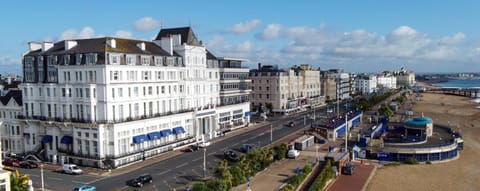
358, 36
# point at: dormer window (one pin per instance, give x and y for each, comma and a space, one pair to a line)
114, 59
78, 59
158, 61
91, 59
66, 59
145, 60
131, 59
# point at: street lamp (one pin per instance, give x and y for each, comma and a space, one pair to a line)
204, 162
41, 176
271, 135
316, 153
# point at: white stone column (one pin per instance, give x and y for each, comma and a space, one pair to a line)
196, 128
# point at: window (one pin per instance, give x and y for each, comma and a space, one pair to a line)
114, 59
91, 59
136, 110
78, 59
113, 92
135, 91
158, 61
120, 92
114, 75
87, 92
131, 60
150, 90
145, 60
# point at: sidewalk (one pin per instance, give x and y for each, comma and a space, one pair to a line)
149, 161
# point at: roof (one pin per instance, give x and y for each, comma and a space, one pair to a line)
100, 45
186, 33
15, 94
418, 121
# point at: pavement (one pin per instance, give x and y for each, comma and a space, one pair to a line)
356, 182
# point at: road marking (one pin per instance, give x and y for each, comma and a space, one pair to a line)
166, 183
123, 188
235, 144
244, 140
197, 159
260, 134
182, 165
96, 180
54, 178
164, 172
212, 153
74, 181
34, 175
195, 172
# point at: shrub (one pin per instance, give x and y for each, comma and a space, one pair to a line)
322, 179
391, 164
429, 162
411, 160
200, 186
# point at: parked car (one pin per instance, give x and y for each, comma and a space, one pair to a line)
140, 181
204, 144
293, 153
348, 169
247, 147
71, 169
83, 187
11, 162
291, 124
28, 164
231, 155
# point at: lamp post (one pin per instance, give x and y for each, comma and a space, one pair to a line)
204, 162
346, 132
316, 153
41, 176
271, 135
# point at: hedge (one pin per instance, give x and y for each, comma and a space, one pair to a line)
322, 179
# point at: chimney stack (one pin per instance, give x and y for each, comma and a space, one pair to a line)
70, 44
46, 46
259, 66
34, 46
112, 43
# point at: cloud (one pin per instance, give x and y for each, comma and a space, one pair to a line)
86, 32
272, 31
353, 50
242, 28
9, 60
146, 24
123, 34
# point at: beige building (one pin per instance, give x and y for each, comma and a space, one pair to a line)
405, 78
328, 85
284, 91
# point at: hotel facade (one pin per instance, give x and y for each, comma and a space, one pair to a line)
106, 102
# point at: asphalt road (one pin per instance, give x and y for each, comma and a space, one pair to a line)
178, 171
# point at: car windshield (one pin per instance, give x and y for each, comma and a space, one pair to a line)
75, 168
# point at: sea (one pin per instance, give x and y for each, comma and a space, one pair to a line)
460, 83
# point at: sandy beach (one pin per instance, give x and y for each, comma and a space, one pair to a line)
461, 174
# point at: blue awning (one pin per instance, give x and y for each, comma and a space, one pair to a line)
248, 113
139, 139
165, 132
47, 139
66, 139
154, 135
178, 130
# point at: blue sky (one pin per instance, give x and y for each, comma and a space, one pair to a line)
359, 36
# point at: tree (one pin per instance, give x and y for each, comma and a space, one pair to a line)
200, 186
217, 185
238, 176
223, 172
18, 182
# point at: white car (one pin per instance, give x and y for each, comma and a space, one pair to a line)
204, 144
293, 153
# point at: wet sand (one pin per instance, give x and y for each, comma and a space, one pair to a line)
460, 174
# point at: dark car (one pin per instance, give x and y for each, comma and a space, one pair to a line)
140, 181
231, 155
28, 164
291, 124
191, 148
11, 162
247, 147
348, 169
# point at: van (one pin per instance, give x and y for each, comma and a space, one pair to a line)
71, 169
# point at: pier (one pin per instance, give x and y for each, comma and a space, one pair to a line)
466, 92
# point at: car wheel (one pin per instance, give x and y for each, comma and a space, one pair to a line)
150, 181
141, 185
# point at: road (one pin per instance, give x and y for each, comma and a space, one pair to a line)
178, 171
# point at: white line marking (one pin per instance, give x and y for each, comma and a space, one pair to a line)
235, 144
197, 159
96, 180
74, 181
34, 175
260, 134
54, 178
123, 188
164, 172
166, 183
182, 165
210, 154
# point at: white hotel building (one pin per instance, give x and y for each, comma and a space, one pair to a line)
106, 102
